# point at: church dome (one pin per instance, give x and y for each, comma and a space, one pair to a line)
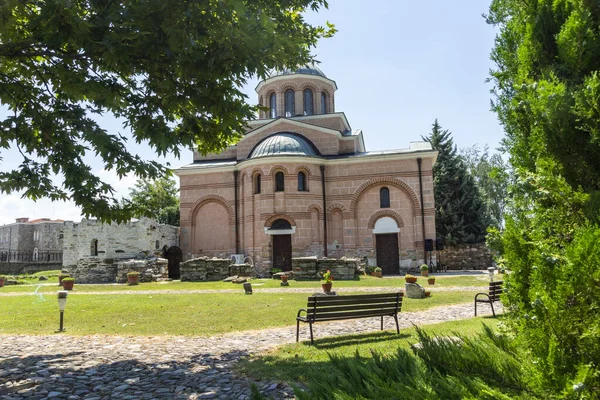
310, 69
284, 144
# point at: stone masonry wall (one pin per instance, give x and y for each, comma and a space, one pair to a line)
131, 240
104, 270
467, 256
212, 269
313, 268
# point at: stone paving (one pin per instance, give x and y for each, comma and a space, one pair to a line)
167, 367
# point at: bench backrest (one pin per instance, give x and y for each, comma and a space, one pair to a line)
327, 308
495, 290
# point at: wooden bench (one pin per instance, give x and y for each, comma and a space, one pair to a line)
493, 295
335, 308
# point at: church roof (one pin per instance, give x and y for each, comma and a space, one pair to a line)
284, 144
310, 69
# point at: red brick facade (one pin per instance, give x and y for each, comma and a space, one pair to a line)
353, 181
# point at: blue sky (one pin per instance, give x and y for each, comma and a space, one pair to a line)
398, 65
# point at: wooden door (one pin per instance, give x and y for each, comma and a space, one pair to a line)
282, 252
387, 253
174, 255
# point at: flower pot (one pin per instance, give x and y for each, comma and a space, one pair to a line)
326, 287
132, 279
1, 282
377, 274
427, 293
431, 281
424, 273
411, 280
68, 285
284, 278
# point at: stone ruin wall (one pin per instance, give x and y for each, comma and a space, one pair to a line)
313, 268
101, 270
467, 256
119, 241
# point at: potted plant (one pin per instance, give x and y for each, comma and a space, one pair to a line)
61, 277
327, 281
132, 277
376, 272
284, 278
410, 278
427, 293
431, 280
1, 280
68, 282
424, 270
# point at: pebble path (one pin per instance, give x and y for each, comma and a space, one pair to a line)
168, 367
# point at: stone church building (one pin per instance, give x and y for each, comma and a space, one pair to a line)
301, 183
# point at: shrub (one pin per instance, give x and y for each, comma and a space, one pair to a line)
133, 273
68, 279
424, 267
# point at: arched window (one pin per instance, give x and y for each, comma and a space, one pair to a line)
308, 102
301, 182
257, 184
290, 109
273, 105
94, 247
279, 182
323, 103
384, 198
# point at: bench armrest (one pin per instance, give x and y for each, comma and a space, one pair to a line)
482, 294
300, 310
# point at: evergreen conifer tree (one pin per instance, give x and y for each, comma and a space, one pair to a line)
459, 209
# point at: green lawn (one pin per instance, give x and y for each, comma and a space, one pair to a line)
364, 281
170, 314
294, 362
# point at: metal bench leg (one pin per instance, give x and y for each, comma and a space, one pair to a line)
475, 307
311, 333
297, 331
493, 312
397, 325
382, 322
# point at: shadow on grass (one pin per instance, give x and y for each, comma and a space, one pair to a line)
355, 340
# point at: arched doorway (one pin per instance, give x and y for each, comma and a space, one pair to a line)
386, 241
281, 230
174, 255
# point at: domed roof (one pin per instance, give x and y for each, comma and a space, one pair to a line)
309, 69
286, 144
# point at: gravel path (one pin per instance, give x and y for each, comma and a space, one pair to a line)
115, 367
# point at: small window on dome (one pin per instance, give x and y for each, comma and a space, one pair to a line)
308, 102
279, 182
384, 198
290, 108
323, 103
273, 105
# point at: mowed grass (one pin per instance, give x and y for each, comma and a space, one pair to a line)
294, 362
364, 281
170, 314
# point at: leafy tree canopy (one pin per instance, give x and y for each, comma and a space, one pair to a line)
158, 199
459, 210
492, 176
170, 69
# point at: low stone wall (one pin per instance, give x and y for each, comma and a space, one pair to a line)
467, 256
150, 270
27, 268
313, 268
99, 270
212, 269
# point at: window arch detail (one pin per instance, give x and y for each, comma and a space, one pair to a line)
308, 102
273, 105
279, 182
290, 103
384, 197
257, 183
302, 187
